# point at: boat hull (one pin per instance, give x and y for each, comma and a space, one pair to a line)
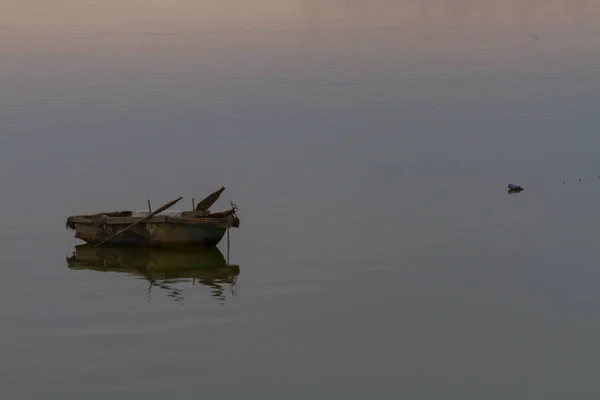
153, 234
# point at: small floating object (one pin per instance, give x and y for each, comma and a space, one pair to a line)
516, 188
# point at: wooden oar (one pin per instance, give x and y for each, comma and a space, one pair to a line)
152, 214
209, 200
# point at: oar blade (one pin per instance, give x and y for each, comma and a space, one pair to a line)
209, 200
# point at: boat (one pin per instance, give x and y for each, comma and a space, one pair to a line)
166, 269
198, 227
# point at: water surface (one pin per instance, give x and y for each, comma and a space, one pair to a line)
368, 146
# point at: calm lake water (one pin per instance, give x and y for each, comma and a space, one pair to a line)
368, 145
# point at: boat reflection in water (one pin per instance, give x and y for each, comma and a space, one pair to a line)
163, 268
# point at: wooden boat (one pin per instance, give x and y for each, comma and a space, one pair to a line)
163, 268
161, 228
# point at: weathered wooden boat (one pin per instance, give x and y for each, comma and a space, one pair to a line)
162, 268
160, 228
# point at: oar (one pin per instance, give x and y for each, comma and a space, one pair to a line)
209, 200
152, 214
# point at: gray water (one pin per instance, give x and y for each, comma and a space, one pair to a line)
368, 145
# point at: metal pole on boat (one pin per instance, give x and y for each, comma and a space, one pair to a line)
227, 246
149, 206
193, 204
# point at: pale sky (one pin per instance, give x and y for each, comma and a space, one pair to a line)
125, 15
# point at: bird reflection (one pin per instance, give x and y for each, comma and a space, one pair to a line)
165, 269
